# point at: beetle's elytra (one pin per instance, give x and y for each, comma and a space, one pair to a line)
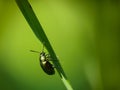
44, 63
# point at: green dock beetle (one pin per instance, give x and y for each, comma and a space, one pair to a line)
44, 62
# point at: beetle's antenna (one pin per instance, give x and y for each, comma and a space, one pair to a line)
34, 51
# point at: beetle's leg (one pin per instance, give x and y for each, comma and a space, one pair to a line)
53, 66
48, 57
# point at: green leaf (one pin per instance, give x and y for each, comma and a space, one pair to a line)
32, 20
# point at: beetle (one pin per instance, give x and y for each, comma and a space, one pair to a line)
44, 59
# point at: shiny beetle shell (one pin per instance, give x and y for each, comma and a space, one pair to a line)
45, 64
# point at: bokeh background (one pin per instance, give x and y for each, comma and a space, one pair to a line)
84, 34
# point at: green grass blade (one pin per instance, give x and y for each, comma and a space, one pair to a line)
32, 20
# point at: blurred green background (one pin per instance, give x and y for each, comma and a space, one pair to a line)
84, 34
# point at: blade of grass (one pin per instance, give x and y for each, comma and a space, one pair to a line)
32, 20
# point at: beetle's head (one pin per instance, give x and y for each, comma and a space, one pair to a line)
42, 54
